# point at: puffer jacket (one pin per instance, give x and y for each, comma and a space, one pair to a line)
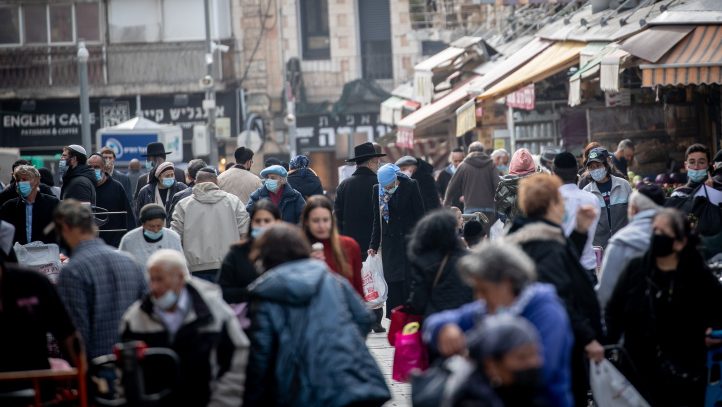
618, 202
208, 222
79, 183
291, 205
146, 195
321, 324
212, 348
506, 196
630, 242
305, 181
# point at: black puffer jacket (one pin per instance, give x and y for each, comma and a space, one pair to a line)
237, 272
79, 183
306, 182
449, 292
424, 175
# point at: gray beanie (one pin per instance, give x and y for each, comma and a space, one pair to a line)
152, 211
499, 334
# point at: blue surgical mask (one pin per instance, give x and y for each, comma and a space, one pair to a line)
257, 232
153, 235
697, 175
149, 164
452, 169
62, 166
598, 174
166, 301
24, 188
392, 190
168, 182
272, 185
502, 168
98, 175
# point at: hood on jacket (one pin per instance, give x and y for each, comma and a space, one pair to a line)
638, 232
478, 160
423, 167
293, 283
81, 170
208, 193
532, 296
526, 230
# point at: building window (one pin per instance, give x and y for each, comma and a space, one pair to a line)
314, 29
9, 25
35, 21
87, 21
61, 23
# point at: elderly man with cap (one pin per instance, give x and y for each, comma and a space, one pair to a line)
500, 157
399, 207
208, 222
276, 188
423, 173
78, 178
155, 154
239, 180
189, 317
162, 188
612, 195
302, 178
32, 211
111, 197
151, 235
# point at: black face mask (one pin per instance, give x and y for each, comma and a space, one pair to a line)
526, 387
662, 245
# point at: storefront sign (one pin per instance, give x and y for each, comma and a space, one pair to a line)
523, 98
319, 132
128, 146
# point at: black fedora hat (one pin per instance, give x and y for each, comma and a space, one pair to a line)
155, 149
363, 152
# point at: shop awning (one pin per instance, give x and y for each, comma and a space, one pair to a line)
696, 59
391, 110
465, 118
438, 110
606, 63
652, 43
556, 58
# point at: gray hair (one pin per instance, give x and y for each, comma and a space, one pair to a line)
499, 152
26, 171
169, 259
625, 144
476, 146
642, 202
496, 261
75, 214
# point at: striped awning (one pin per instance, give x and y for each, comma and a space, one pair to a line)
465, 118
695, 60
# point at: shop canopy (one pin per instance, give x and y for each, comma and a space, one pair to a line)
438, 110
557, 58
605, 63
695, 59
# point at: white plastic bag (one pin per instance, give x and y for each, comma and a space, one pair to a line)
611, 389
497, 230
372, 275
44, 257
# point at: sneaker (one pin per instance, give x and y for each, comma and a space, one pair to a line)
378, 329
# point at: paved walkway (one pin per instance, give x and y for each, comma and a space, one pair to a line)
384, 354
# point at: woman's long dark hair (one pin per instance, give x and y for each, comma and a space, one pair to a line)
320, 201
281, 243
435, 232
266, 204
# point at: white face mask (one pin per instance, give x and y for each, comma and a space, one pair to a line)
166, 301
408, 173
599, 174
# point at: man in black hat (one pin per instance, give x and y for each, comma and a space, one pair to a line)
355, 204
155, 154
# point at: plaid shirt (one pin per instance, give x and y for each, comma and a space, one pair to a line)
98, 285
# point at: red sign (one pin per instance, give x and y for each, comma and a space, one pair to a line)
522, 99
405, 138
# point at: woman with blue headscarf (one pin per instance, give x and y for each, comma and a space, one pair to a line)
399, 208
302, 178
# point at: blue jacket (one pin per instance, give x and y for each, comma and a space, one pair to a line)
308, 341
291, 205
539, 304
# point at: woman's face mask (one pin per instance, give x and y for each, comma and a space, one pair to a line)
598, 174
168, 182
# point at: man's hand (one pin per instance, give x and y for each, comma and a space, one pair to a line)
371, 252
595, 351
586, 215
451, 341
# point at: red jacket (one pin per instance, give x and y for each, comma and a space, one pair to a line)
353, 254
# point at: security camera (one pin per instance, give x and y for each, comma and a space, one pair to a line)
289, 120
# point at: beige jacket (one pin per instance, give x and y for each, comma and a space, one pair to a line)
209, 222
239, 182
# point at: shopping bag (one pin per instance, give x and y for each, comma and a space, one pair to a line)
374, 284
43, 257
497, 230
399, 319
439, 385
410, 353
611, 389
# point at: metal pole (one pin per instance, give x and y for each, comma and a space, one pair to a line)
84, 101
210, 103
510, 126
291, 105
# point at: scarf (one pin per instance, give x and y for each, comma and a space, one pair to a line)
158, 198
384, 197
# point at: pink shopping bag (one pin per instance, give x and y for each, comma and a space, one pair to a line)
410, 353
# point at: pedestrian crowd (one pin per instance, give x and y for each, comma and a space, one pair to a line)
530, 270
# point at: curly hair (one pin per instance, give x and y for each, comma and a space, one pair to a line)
435, 232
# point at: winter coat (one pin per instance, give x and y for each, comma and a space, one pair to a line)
406, 208
630, 242
208, 222
179, 196
149, 178
424, 176
125, 182
355, 206
11, 191
450, 290
538, 304
557, 263
212, 349
239, 182
476, 180
306, 182
79, 183
13, 212
352, 252
237, 272
505, 196
147, 195
618, 202
111, 196
321, 326
291, 205
669, 312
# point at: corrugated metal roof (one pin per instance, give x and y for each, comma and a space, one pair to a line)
691, 12
653, 43
445, 56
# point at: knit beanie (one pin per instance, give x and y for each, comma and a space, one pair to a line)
152, 211
162, 167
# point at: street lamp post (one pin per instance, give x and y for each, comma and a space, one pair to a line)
210, 102
84, 102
